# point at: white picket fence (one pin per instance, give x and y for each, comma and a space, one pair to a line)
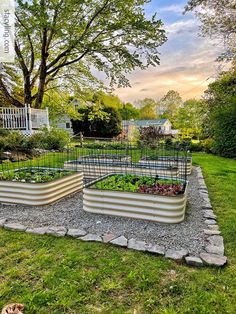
25, 119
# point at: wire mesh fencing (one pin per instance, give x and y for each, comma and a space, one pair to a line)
99, 159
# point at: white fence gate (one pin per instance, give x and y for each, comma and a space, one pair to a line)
24, 119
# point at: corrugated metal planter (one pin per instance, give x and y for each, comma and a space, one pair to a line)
105, 157
163, 161
164, 209
93, 170
40, 193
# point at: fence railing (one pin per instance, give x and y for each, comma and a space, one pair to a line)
25, 119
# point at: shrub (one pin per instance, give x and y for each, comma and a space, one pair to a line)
196, 147
150, 136
207, 145
55, 139
4, 132
15, 141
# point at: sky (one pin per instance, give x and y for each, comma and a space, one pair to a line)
187, 61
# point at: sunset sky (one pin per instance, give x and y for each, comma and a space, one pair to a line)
187, 60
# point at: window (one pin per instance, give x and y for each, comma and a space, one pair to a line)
67, 125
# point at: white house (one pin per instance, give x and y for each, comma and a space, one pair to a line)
163, 124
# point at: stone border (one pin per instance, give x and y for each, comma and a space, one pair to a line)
212, 254
213, 251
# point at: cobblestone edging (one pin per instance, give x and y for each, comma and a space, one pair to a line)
212, 251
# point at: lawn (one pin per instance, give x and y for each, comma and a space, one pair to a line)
51, 275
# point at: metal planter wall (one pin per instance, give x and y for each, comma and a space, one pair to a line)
181, 164
40, 193
93, 171
165, 209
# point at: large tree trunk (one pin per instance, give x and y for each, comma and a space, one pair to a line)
27, 90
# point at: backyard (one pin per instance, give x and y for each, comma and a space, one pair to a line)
51, 275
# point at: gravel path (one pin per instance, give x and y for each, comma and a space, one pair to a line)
69, 212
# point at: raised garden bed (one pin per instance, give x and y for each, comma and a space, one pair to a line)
38, 186
106, 157
170, 161
93, 169
133, 196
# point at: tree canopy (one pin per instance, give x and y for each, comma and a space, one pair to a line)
169, 105
191, 116
221, 97
218, 19
147, 108
64, 42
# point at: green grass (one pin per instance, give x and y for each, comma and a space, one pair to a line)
51, 275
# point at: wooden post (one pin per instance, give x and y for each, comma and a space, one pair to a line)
47, 117
26, 119
30, 120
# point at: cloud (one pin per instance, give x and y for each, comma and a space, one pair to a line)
187, 62
181, 26
173, 8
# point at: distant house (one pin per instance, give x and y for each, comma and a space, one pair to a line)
64, 123
164, 125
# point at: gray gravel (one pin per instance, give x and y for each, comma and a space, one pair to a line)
69, 212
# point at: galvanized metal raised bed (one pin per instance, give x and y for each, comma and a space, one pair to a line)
93, 170
184, 164
164, 209
40, 193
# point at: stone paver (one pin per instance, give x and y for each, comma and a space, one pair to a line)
57, 231
194, 261
15, 226
75, 233
219, 250
121, 241
154, 248
2, 222
210, 232
216, 240
213, 227
137, 245
176, 254
40, 230
91, 237
210, 221
209, 214
213, 259
107, 237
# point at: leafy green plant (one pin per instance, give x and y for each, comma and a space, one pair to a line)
33, 175
141, 184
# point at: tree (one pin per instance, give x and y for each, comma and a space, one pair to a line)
128, 112
60, 105
169, 105
97, 126
218, 19
191, 116
147, 109
59, 42
221, 97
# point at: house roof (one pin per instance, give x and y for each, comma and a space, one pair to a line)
142, 123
